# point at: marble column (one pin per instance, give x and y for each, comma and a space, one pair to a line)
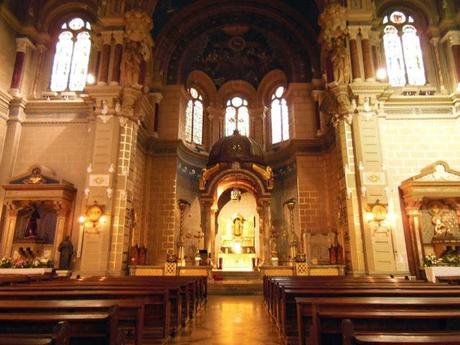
22, 44
369, 70
117, 55
354, 54
211, 245
453, 40
414, 228
103, 76
437, 61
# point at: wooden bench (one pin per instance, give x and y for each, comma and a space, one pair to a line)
350, 337
283, 292
85, 328
59, 336
319, 319
156, 311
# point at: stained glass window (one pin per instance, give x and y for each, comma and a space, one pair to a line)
194, 118
71, 59
279, 117
237, 116
403, 51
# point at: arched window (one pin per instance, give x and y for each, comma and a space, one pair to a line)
402, 50
279, 117
194, 118
71, 59
237, 116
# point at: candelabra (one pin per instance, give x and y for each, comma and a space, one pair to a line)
293, 238
180, 244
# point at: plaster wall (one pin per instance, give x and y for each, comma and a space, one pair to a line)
408, 145
7, 54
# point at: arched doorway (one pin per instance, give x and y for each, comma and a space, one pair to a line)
235, 199
237, 236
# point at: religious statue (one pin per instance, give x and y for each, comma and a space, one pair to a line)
237, 227
134, 255
138, 45
32, 224
333, 22
340, 62
66, 250
440, 229
36, 177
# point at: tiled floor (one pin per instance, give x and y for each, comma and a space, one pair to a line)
230, 320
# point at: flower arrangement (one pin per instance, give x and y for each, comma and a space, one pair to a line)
449, 259
23, 263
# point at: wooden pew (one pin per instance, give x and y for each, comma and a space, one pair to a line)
395, 314
282, 307
350, 337
85, 328
59, 336
156, 309
184, 303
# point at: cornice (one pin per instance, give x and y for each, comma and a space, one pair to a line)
57, 107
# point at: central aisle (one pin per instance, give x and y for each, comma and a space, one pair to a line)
230, 320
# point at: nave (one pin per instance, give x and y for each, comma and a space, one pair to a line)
229, 320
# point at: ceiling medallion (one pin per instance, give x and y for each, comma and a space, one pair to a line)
237, 43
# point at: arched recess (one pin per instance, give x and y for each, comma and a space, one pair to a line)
268, 84
214, 197
422, 11
239, 88
289, 33
425, 15
201, 82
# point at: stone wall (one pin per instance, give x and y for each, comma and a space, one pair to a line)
139, 171
162, 208
313, 201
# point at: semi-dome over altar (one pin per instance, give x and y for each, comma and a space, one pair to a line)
236, 148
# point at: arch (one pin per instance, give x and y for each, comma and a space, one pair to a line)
56, 12
229, 175
237, 88
202, 81
268, 84
285, 29
422, 12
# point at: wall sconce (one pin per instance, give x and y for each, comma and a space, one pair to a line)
376, 213
95, 215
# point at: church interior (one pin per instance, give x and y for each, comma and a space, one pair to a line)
290, 165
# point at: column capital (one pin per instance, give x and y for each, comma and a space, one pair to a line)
365, 32
452, 38
106, 37
353, 32
22, 43
118, 36
434, 41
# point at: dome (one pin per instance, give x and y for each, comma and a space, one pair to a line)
236, 148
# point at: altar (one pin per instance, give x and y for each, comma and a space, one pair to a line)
237, 262
236, 240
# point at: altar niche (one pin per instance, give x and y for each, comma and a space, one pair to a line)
237, 238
